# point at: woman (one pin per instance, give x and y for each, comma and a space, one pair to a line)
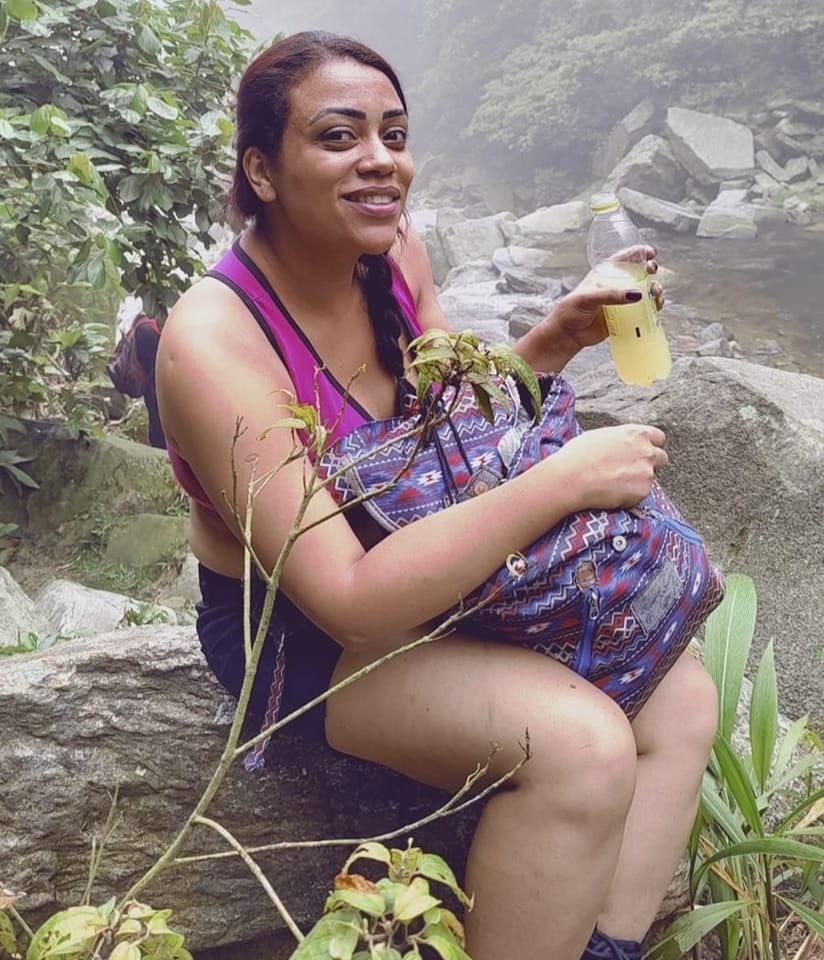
577, 854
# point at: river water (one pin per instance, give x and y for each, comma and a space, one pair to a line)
767, 289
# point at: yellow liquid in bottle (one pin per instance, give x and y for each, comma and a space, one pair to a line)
637, 340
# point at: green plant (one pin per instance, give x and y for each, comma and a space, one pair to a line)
114, 142
31, 642
133, 932
10, 460
143, 614
755, 847
389, 918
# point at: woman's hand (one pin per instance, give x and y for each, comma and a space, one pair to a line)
577, 320
614, 466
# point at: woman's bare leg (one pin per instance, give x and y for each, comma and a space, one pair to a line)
545, 849
674, 732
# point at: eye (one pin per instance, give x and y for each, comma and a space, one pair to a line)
397, 136
338, 135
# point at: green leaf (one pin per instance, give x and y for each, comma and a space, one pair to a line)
738, 782
787, 747
343, 941
483, 401
147, 41
443, 943
719, 810
40, 120
436, 868
799, 810
316, 945
764, 716
161, 109
414, 901
727, 639
368, 851
8, 941
7, 131
813, 919
22, 9
767, 846
371, 904
686, 931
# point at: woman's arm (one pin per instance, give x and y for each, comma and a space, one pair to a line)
576, 321
217, 372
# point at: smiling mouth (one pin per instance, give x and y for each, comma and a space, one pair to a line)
373, 199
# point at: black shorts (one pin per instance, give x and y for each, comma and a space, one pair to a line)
296, 663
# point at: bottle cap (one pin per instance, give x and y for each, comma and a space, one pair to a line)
602, 202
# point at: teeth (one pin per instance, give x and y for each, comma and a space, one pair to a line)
379, 199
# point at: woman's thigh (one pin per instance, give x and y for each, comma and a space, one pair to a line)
435, 712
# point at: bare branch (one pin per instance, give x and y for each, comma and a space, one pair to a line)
259, 875
452, 806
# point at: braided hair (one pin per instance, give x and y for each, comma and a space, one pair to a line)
375, 277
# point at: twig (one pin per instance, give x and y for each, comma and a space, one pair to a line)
257, 872
97, 850
26, 928
446, 810
442, 630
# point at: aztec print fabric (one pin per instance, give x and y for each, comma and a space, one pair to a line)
616, 595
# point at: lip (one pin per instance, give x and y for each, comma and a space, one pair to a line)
358, 200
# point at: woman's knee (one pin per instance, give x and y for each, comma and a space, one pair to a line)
589, 774
683, 712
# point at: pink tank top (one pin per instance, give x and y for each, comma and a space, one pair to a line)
239, 272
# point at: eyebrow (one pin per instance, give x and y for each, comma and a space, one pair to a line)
355, 114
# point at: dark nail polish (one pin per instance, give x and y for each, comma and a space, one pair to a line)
633, 296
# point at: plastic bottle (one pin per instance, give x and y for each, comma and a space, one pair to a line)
637, 340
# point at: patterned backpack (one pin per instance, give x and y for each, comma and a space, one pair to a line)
616, 595
126, 372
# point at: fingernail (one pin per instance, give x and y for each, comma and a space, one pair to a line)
633, 296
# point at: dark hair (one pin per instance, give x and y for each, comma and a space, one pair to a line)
262, 112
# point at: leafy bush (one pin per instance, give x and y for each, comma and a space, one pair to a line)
114, 140
755, 847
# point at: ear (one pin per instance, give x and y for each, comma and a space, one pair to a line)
256, 168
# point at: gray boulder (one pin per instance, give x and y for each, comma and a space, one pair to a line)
729, 216
650, 167
624, 135
746, 445
660, 212
18, 614
709, 146
138, 711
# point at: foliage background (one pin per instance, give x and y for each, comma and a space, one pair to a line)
114, 146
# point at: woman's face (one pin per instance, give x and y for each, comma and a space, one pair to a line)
344, 169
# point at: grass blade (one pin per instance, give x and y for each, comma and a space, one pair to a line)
727, 640
739, 784
686, 931
764, 716
770, 846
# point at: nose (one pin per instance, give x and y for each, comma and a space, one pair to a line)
377, 157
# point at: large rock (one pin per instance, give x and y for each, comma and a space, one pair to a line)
746, 445
18, 614
729, 216
469, 240
711, 148
138, 711
650, 167
559, 218
624, 135
658, 211
77, 477
71, 608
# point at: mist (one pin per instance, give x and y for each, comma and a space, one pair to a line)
530, 104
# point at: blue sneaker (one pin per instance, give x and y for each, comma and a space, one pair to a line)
602, 947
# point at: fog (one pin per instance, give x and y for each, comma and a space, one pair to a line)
525, 104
